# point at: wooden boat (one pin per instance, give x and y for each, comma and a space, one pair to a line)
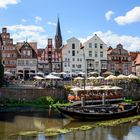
99, 112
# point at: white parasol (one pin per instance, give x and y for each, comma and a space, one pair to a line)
79, 78
110, 77
122, 77
91, 78
50, 76
38, 77
132, 76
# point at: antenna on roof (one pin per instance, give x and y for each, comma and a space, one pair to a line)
26, 39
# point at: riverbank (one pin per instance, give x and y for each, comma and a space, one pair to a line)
39, 104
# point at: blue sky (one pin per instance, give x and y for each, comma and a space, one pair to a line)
115, 21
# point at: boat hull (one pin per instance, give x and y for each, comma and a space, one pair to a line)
97, 116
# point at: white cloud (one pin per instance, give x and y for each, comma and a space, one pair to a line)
51, 23
108, 15
111, 39
38, 19
69, 32
5, 3
23, 20
21, 27
19, 33
130, 17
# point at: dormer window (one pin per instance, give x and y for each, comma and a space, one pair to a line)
95, 45
73, 46
101, 46
24, 52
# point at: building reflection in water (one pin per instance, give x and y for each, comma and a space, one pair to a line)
37, 122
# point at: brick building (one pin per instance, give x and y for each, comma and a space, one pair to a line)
50, 59
135, 56
119, 60
8, 50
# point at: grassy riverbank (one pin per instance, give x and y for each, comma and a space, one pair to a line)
45, 102
42, 102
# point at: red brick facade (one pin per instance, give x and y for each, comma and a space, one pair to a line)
119, 60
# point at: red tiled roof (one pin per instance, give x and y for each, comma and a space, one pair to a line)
137, 60
109, 51
32, 44
133, 55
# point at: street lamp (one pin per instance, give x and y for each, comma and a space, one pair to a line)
83, 98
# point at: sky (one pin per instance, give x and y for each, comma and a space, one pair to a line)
114, 21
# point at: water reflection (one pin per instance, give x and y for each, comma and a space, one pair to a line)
11, 123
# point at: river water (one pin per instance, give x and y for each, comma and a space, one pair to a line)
14, 123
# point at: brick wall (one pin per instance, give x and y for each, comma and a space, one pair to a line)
29, 94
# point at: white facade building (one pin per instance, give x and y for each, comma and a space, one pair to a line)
95, 54
26, 59
73, 60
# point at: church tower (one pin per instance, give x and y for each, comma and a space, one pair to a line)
58, 37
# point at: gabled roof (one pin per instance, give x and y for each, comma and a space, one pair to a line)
134, 55
95, 37
19, 45
73, 38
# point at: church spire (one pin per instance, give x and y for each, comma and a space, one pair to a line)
58, 37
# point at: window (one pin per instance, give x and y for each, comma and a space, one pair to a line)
65, 65
126, 69
112, 67
27, 62
112, 57
73, 53
77, 52
96, 65
73, 66
90, 53
101, 46
28, 53
103, 66
73, 46
101, 54
90, 45
24, 52
96, 54
4, 43
95, 45
73, 59
79, 66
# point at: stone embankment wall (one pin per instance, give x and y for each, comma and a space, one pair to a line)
29, 94
33, 93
